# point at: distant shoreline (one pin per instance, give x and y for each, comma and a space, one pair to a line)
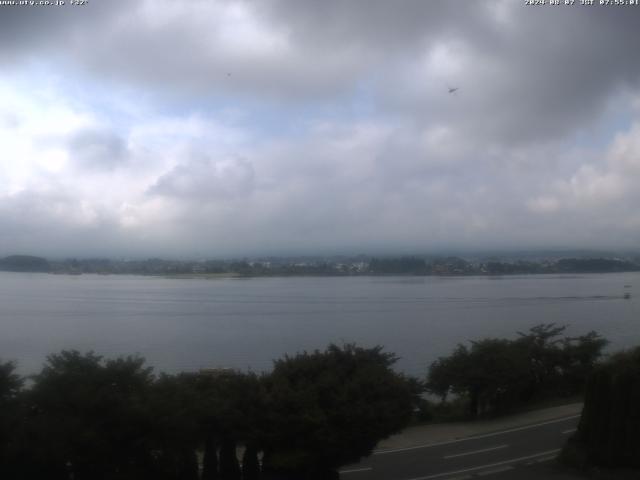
324, 267
213, 276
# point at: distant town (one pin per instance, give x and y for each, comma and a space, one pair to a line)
326, 266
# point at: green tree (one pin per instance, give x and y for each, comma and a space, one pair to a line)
175, 431
497, 374
608, 431
542, 347
330, 408
10, 389
580, 356
250, 463
88, 418
489, 374
230, 411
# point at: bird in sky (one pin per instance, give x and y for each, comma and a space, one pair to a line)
453, 89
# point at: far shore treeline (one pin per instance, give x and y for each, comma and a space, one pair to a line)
87, 417
320, 266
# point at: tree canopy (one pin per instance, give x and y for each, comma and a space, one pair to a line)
330, 408
91, 418
495, 375
610, 424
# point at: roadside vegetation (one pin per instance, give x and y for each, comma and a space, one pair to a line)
607, 435
86, 417
496, 375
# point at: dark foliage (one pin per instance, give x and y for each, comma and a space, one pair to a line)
398, 266
250, 463
330, 408
495, 375
10, 387
610, 424
87, 418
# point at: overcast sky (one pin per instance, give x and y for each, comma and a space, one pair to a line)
223, 128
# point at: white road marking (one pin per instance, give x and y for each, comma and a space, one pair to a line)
545, 459
476, 451
476, 437
355, 470
491, 465
571, 430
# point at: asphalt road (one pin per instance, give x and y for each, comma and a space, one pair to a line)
504, 454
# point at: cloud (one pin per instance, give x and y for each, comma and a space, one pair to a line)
204, 179
520, 79
596, 204
96, 149
238, 127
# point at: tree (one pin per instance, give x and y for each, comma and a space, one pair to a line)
210, 459
446, 374
88, 418
579, 357
176, 432
10, 382
250, 463
542, 347
229, 465
489, 375
10, 389
560, 365
608, 431
230, 411
497, 374
330, 408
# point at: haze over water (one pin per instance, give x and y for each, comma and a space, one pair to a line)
187, 324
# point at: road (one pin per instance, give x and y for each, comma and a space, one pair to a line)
486, 455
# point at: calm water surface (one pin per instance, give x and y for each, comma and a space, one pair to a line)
186, 324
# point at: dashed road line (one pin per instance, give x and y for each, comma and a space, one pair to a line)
456, 455
488, 466
356, 470
546, 459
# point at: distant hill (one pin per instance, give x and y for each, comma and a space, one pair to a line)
24, 263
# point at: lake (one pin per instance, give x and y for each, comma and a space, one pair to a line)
245, 323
